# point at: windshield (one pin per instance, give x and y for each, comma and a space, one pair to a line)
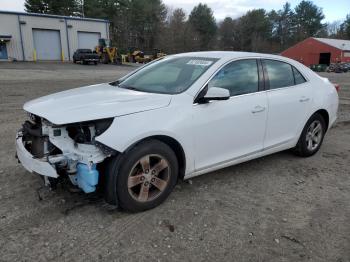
168, 76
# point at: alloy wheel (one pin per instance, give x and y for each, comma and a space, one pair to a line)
314, 135
148, 178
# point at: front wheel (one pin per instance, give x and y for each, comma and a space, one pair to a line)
312, 136
144, 176
105, 58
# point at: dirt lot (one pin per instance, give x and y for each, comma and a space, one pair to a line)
278, 208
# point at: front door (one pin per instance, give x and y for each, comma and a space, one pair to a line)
234, 128
3, 51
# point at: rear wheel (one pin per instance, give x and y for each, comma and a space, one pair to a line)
144, 177
312, 136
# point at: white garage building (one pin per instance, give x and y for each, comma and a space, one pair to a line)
30, 36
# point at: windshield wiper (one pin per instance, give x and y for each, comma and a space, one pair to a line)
130, 88
115, 83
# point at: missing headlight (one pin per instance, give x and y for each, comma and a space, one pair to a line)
85, 132
102, 125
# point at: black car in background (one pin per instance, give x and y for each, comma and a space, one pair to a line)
85, 56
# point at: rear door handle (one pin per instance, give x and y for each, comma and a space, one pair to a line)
258, 109
304, 99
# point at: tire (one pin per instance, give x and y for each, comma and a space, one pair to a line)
105, 58
74, 61
137, 186
304, 147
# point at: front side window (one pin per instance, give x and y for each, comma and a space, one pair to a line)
168, 76
239, 77
280, 74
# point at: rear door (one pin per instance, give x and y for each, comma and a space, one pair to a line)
289, 98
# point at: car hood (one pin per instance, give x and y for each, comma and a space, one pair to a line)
94, 102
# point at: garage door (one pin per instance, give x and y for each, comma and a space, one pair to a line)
88, 40
47, 44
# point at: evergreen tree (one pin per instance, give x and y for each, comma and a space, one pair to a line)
345, 27
254, 31
203, 22
62, 7
35, 6
227, 34
282, 25
308, 20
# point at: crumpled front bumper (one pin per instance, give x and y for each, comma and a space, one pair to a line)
32, 164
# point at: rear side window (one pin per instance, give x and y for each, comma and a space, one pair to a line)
280, 74
299, 79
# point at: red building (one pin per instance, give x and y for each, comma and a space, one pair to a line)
319, 51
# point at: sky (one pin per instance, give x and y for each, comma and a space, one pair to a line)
333, 9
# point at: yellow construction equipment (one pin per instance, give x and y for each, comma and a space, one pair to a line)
138, 56
107, 52
157, 53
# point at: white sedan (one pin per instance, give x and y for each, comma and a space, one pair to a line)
176, 118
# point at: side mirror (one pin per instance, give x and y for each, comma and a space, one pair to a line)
214, 93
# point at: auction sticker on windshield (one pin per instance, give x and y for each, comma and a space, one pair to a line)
199, 62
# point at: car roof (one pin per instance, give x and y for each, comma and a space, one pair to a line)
225, 56
228, 54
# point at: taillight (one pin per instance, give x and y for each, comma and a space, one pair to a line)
337, 87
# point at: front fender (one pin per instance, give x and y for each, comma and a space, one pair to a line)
127, 130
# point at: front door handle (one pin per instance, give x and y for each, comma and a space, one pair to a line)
304, 99
258, 109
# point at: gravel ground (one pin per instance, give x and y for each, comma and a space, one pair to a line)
277, 208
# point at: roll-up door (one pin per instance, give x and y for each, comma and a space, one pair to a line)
88, 40
47, 44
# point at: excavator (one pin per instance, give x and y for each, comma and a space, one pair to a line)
107, 52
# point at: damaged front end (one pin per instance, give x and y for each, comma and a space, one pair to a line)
63, 150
